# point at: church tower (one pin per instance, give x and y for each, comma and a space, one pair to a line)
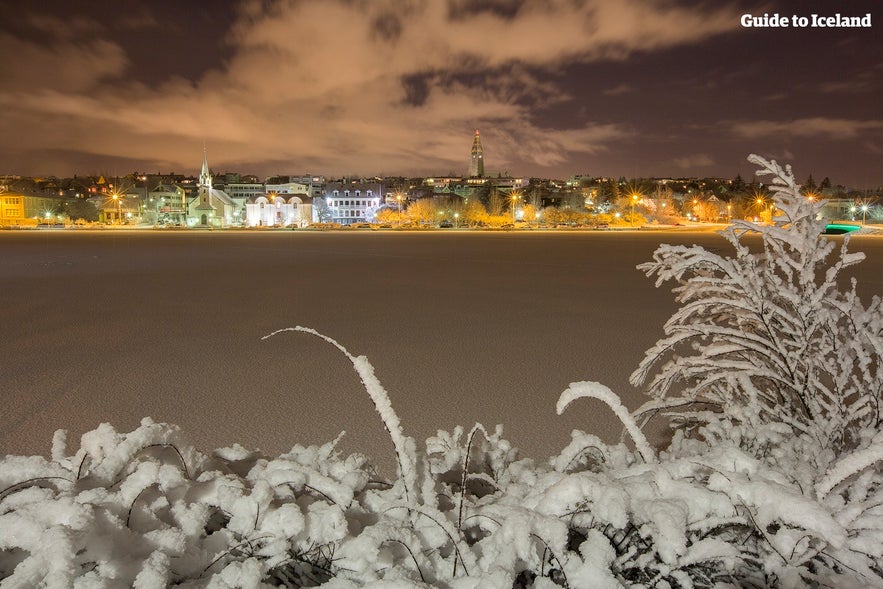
205, 177
476, 165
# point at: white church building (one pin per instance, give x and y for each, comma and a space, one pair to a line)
274, 210
212, 207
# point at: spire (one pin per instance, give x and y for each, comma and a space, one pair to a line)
205, 176
476, 164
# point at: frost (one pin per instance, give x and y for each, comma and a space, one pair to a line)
595, 390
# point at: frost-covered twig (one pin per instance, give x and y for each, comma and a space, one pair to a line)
849, 465
596, 390
407, 461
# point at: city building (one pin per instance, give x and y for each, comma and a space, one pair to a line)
244, 190
166, 205
17, 208
118, 208
352, 202
315, 184
277, 211
285, 185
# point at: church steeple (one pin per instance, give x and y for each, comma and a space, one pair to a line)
205, 176
476, 164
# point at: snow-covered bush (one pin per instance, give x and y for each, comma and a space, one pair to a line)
767, 339
772, 478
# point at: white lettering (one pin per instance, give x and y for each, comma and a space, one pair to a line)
776, 20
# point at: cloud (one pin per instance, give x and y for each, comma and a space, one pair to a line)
352, 86
619, 90
862, 82
699, 160
68, 66
828, 128
64, 28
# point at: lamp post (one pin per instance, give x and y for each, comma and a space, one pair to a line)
514, 200
634, 200
116, 197
456, 220
864, 208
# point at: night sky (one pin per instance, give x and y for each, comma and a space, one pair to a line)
334, 87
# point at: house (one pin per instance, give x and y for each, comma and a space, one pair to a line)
352, 202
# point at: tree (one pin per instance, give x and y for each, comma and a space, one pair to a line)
474, 212
422, 211
389, 216
323, 211
78, 209
495, 202
529, 213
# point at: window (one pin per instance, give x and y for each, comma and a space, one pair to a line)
370, 194
358, 193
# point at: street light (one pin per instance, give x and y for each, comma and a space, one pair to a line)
864, 208
457, 220
399, 198
634, 200
116, 197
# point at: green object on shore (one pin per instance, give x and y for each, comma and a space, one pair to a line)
839, 229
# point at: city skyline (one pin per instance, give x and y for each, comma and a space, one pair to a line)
634, 89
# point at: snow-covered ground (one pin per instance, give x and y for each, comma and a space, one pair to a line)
461, 327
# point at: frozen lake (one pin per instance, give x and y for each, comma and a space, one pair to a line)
460, 327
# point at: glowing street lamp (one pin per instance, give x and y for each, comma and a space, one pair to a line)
514, 200
399, 198
116, 197
457, 220
864, 208
634, 200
